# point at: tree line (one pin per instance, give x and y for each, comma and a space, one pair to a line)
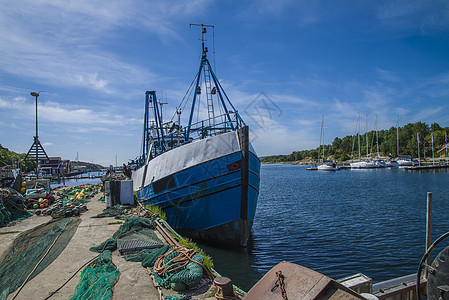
11, 158
343, 149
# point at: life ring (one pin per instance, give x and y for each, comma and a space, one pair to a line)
234, 166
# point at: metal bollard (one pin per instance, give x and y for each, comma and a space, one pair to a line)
226, 290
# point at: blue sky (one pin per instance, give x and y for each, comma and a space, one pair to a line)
284, 64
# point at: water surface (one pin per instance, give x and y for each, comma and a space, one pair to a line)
339, 223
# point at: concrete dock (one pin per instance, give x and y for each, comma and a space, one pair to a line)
134, 280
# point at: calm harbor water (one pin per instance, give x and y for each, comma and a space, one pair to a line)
86, 178
339, 223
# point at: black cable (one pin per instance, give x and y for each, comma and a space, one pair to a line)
92, 259
418, 274
72, 277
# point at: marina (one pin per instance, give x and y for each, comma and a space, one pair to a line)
339, 223
376, 234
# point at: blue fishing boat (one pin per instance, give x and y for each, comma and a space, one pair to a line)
205, 175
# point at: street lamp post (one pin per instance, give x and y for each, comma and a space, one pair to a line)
36, 147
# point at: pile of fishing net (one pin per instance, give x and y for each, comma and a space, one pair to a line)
32, 251
177, 268
12, 206
97, 279
134, 228
117, 211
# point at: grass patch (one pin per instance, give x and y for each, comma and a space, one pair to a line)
116, 222
8, 232
157, 210
208, 262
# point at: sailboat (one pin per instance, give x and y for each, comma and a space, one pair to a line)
366, 164
402, 160
205, 174
380, 162
326, 165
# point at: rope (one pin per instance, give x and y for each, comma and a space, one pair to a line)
184, 257
188, 92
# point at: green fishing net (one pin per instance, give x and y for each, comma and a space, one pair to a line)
12, 207
116, 211
180, 279
97, 279
34, 249
174, 297
142, 229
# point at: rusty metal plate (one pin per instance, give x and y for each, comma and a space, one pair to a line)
299, 283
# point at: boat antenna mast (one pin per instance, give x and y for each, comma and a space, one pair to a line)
213, 87
203, 31
207, 78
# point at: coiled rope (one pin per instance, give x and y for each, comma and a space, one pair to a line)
185, 255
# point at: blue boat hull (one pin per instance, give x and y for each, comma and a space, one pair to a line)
214, 201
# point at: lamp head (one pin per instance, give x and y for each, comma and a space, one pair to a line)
34, 94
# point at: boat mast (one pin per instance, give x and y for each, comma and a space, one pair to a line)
146, 139
377, 138
150, 98
197, 91
419, 155
358, 134
433, 151
321, 138
213, 87
366, 135
397, 135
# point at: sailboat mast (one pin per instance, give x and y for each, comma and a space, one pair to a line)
366, 135
322, 134
433, 151
358, 134
377, 139
397, 136
419, 155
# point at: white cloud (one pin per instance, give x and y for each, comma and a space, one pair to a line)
427, 114
63, 42
388, 76
56, 113
426, 17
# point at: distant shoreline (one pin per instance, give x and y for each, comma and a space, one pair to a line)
308, 162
